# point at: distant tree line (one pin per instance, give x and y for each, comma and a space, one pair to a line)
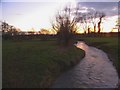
9, 29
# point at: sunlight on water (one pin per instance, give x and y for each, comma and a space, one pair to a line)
94, 71
82, 45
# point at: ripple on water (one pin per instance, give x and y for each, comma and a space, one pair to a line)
94, 71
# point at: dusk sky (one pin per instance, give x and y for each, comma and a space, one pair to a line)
34, 14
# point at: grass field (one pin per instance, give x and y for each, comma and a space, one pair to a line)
109, 45
35, 64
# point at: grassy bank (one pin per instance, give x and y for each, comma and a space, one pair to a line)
109, 45
35, 64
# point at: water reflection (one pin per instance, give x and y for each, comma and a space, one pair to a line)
94, 71
82, 45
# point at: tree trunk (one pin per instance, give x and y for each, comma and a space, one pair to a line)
88, 30
99, 25
94, 28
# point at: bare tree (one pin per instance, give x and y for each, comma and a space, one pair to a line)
66, 22
65, 26
101, 15
93, 17
85, 22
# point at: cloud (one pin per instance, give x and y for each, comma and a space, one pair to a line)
18, 14
115, 8
109, 8
93, 8
85, 8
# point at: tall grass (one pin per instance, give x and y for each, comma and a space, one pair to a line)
35, 64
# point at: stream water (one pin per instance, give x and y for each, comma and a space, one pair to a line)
94, 71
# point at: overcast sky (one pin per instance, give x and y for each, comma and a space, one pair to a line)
37, 14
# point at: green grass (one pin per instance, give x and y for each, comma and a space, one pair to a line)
35, 64
109, 45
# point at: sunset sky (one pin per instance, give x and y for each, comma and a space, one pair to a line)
33, 14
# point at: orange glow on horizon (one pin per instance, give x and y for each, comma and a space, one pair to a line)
108, 25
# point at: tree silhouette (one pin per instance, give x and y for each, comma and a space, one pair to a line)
9, 30
65, 26
5, 27
66, 22
44, 31
85, 22
93, 17
117, 26
101, 15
